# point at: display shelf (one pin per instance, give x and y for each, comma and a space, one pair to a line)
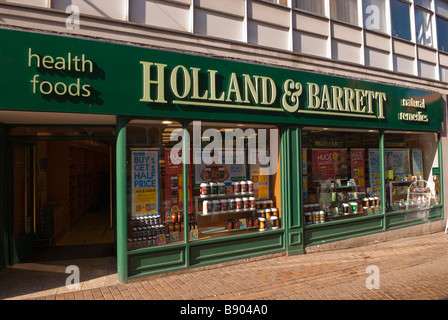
200, 213
211, 230
419, 194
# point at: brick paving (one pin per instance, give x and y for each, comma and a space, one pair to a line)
411, 268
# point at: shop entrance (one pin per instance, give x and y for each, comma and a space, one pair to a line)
62, 199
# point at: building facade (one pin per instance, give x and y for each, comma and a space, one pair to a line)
210, 131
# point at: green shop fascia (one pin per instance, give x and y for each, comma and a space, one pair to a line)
48, 73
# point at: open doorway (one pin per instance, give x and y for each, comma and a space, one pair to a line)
69, 185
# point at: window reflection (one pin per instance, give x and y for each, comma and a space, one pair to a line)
344, 10
315, 6
411, 181
423, 31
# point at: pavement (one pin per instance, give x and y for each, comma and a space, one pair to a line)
411, 268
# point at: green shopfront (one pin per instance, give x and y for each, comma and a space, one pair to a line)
216, 160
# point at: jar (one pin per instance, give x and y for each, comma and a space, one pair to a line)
221, 189
269, 204
321, 216
308, 217
267, 213
231, 205
236, 187
365, 202
206, 207
316, 217
243, 187
252, 203
261, 224
205, 190
353, 207
238, 204
216, 205
346, 208
260, 213
275, 223
213, 189
246, 204
224, 205
250, 186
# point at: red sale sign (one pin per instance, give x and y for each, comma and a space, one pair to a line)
329, 164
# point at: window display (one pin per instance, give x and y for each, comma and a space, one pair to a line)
233, 181
339, 180
155, 186
236, 179
411, 164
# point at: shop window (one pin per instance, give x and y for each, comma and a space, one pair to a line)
314, 6
411, 164
236, 179
155, 186
374, 13
340, 179
344, 10
401, 21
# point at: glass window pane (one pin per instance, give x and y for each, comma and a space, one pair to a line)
315, 6
344, 10
155, 210
409, 159
401, 22
442, 8
423, 3
236, 181
340, 179
374, 13
423, 30
442, 34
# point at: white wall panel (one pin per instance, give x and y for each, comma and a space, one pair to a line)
218, 25
345, 51
267, 35
160, 14
311, 24
444, 74
376, 58
403, 64
426, 70
310, 44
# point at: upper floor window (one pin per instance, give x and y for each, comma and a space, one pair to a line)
423, 3
344, 10
423, 26
401, 20
442, 25
314, 6
374, 15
